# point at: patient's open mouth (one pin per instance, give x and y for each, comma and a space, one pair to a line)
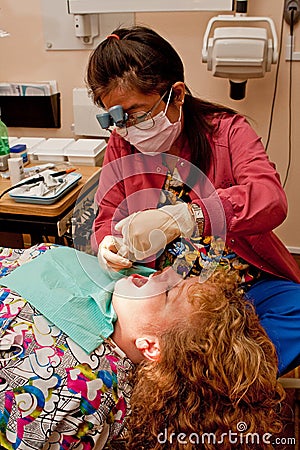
138, 280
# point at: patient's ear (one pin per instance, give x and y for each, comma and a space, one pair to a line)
149, 347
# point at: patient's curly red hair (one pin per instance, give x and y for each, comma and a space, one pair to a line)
217, 369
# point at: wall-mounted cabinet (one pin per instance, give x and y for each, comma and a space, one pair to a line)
31, 111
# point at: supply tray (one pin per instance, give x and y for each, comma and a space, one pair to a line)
20, 194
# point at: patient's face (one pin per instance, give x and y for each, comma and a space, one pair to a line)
157, 298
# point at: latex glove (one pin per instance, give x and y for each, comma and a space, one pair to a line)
110, 257
147, 232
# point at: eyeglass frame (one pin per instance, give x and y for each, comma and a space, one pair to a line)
116, 116
122, 131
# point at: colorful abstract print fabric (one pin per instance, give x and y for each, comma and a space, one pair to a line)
53, 395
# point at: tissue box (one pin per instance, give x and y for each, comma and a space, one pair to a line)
86, 152
53, 149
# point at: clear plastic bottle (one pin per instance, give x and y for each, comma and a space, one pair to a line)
4, 142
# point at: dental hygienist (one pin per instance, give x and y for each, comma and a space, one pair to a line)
188, 183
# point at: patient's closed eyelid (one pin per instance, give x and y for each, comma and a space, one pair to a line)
175, 291
170, 293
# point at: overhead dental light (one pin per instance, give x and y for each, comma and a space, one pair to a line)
239, 52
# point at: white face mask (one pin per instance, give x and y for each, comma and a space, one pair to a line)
157, 139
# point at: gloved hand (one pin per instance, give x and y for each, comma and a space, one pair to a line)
147, 232
110, 254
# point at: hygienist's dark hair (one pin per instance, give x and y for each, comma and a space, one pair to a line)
139, 58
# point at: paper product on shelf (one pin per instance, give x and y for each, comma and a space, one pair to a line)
25, 89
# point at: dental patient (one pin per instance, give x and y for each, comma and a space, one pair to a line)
174, 359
